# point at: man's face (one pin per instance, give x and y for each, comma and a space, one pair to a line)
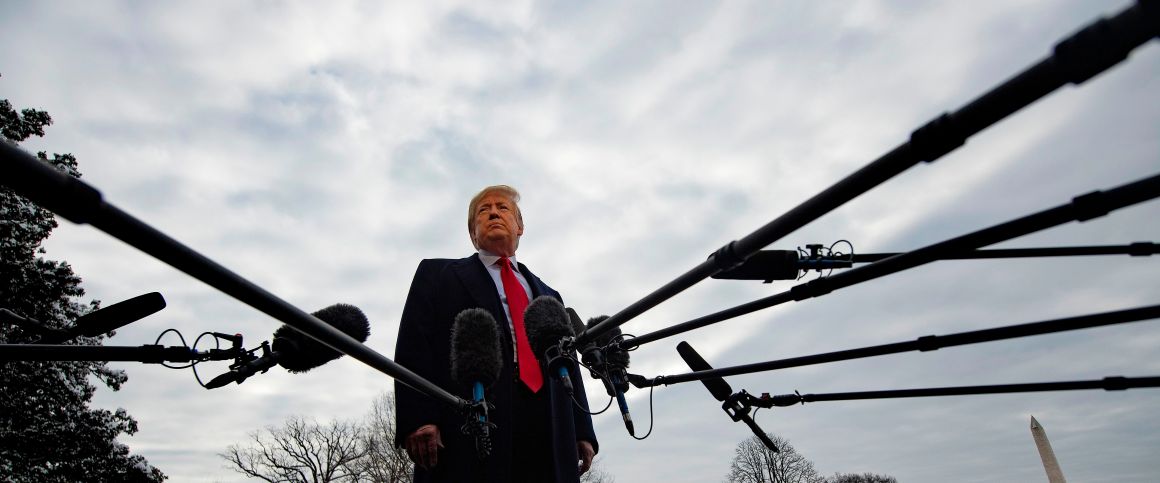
497, 225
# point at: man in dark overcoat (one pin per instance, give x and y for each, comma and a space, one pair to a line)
542, 434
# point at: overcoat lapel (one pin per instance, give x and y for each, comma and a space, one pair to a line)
533, 281
479, 285
481, 289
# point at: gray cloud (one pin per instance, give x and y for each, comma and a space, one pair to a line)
322, 152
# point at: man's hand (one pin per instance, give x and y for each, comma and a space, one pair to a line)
423, 446
586, 453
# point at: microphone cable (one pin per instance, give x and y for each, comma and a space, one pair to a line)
818, 253
192, 365
616, 341
650, 416
180, 337
576, 404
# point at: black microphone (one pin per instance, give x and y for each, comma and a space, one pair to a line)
547, 323
108, 319
722, 392
476, 361
297, 352
716, 385
32, 326
577, 325
475, 351
770, 265
615, 367
590, 353
303, 353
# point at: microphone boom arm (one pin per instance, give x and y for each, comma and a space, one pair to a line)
923, 344
770, 265
1097, 47
1110, 383
81, 203
149, 354
1080, 208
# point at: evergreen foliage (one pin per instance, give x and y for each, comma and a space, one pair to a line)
48, 432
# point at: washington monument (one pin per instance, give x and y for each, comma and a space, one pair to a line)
1050, 464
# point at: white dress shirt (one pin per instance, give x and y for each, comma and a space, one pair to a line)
491, 261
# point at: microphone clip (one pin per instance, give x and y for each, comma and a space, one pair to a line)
246, 359
738, 408
556, 352
739, 405
245, 365
745, 400
593, 359
556, 360
478, 427
236, 351
641, 382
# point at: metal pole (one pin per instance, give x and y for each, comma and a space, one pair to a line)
1081, 208
81, 203
923, 344
1094, 49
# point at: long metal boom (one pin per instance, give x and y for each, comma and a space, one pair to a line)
1077, 58
81, 203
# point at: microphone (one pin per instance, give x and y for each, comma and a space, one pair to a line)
577, 324
770, 265
108, 319
722, 392
547, 323
592, 356
296, 352
476, 361
303, 353
716, 385
615, 367
475, 351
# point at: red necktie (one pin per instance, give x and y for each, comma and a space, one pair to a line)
517, 302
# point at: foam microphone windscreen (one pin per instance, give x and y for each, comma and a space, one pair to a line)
298, 352
546, 322
475, 351
614, 355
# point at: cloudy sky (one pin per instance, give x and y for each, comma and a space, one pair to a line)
322, 150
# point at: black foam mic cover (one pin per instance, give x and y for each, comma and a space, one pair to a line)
716, 385
546, 322
614, 356
475, 350
298, 352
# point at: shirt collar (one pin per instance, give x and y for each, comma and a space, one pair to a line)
490, 259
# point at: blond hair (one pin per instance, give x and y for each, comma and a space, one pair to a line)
504, 189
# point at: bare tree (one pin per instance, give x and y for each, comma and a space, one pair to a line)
383, 462
860, 478
754, 463
303, 451
596, 474
300, 451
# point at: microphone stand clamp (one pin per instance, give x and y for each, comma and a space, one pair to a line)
556, 352
738, 408
478, 426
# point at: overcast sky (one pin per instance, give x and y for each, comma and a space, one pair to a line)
322, 149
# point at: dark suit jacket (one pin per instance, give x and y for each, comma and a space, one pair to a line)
441, 289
